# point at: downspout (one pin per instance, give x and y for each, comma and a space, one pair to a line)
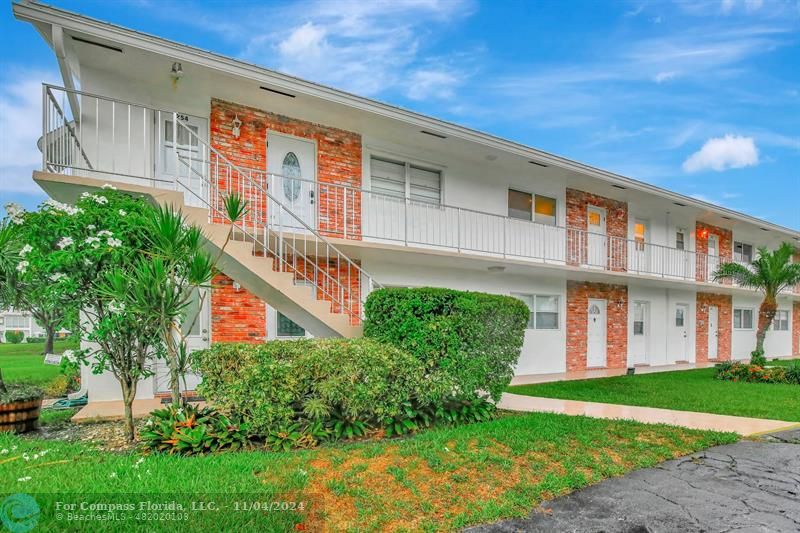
66, 71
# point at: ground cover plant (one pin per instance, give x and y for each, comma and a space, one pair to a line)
753, 373
687, 390
442, 479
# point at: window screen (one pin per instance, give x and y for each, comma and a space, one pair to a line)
638, 318
546, 312
520, 204
545, 210
743, 318
742, 252
388, 177
781, 321
426, 185
288, 327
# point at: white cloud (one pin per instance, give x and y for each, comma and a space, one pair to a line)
363, 47
726, 6
20, 128
722, 153
661, 77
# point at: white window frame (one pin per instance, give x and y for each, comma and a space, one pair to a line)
533, 206
743, 244
641, 245
781, 321
684, 241
408, 162
532, 325
741, 311
645, 307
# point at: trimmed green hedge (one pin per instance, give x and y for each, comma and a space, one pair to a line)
279, 383
469, 339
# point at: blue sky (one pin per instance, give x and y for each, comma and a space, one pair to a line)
701, 97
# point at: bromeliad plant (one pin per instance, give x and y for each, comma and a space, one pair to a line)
190, 430
771, 272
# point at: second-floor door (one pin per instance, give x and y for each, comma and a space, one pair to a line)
596, 240
292, 166
182, 156
713, 256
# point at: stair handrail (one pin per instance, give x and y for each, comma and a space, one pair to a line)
283, 208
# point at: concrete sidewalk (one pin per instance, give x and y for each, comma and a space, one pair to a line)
649, 415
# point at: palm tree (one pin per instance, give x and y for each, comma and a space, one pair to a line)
770, 273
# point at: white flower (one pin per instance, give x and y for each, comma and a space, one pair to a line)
114, 243
4, 451
109, 186
57, 276
112, 474
90, 240
26, 456
87, 262
102, 200
85, 195
91, 227
24, 479
116, 307
22, 266
69, 355
122, 213
58, 206
25, 250
15, 212
64, 242
104, 233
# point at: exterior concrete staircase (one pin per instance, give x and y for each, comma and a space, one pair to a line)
247, 260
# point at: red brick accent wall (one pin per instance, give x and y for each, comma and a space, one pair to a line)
578, 295
338, 158
616, 226
725, 236
236, 315
725, 326
797, 260
796, 328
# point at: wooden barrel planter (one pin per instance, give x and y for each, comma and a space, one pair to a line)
21, 415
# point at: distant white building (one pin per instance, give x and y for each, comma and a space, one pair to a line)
13, 320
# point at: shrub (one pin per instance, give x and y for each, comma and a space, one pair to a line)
14, 337
470, 340
736, 371
793, 372
757, 358
342, 385
190, 430
19, 392
35, 340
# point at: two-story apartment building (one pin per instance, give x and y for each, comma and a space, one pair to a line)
348, 194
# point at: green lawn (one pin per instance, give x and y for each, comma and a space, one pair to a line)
686, 390
441, 479
25, 362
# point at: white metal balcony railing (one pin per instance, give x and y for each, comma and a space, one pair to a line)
136, 142
110, 139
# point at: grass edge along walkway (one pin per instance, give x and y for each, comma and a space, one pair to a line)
441, 479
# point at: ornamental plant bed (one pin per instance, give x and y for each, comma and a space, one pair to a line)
19, 407
750, 373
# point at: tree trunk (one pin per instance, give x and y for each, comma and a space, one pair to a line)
50, 331
766, 314
128, 394
174, 379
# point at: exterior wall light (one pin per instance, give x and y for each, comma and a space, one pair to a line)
237, 125
176, 73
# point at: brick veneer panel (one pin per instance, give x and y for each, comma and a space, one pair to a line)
796, 328
236, 314
702, 231
616, 226
339, 158
578, 295
724, 326
347, 275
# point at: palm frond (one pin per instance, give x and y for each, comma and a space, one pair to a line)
739, 274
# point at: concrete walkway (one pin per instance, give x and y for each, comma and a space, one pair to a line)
747, 486
649, 415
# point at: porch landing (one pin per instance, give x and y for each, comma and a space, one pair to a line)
648, 415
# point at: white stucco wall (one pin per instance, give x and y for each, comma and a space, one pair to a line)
776, 344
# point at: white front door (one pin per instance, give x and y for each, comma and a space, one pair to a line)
679, 334
596, 334
639, 260
292, 165
641, 333
196, 329
596, 239
182, 165
713, 256
713, 331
